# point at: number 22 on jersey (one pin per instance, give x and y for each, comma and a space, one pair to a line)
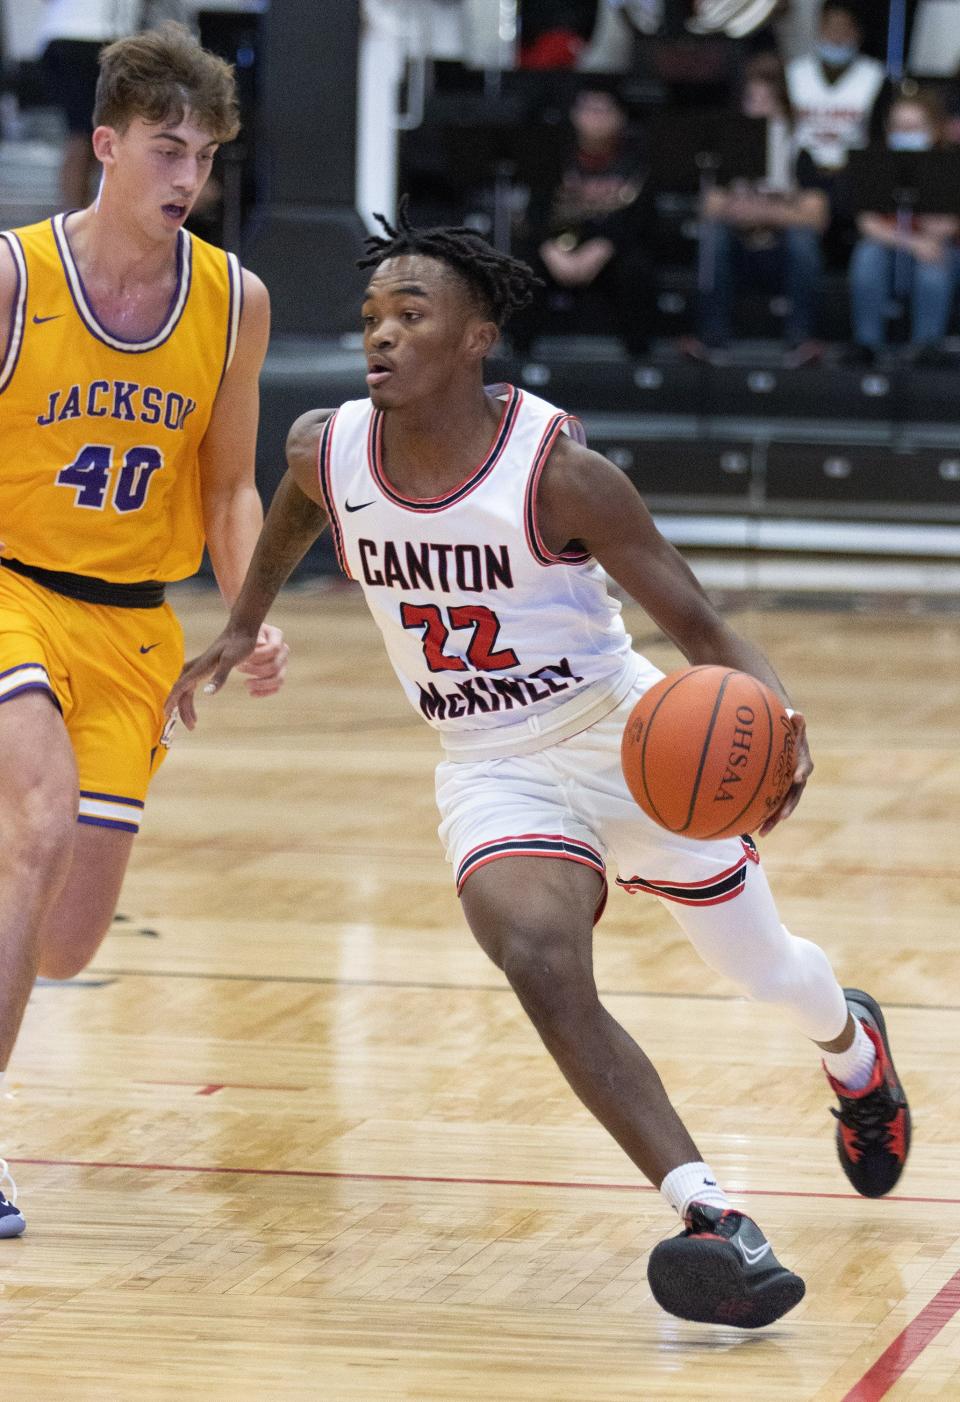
480, 649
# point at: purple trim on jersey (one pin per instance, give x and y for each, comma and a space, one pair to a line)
112, 798
508, 418
107, 823
45, 687
19, 308
20, 667
326, 491
231, 345
538, 548
85, 310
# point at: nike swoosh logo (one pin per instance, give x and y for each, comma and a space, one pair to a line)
751, 1254
149, 648
359, 506
39, 320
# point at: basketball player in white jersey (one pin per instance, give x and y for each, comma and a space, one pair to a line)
479, 528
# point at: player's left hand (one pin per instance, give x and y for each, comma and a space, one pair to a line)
266, 666
802, 770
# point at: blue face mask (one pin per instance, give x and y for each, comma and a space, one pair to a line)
909, 141
837, 55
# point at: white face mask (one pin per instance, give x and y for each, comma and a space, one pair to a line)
909, 141
837, 55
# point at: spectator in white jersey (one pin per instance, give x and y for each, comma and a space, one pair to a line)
834, 90
482, 530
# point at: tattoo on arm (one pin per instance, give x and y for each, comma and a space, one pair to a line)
293, 523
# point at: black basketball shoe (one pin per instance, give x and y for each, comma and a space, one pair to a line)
721, 1270
873, 1124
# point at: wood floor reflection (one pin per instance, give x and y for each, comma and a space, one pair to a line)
290, 1137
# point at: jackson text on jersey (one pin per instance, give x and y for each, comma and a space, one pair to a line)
100, 435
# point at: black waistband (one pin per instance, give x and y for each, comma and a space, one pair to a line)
90, 590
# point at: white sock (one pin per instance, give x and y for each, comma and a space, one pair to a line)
693, 1182
853, 1067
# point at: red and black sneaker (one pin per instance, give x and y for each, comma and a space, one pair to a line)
721, 1270
873, 1124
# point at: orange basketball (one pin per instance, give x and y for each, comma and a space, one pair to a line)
708, 752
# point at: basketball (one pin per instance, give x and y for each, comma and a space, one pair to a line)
708, 752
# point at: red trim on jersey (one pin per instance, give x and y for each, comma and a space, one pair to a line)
710, 890
519, 845
538, 549
326, 491
708, 880
429, 505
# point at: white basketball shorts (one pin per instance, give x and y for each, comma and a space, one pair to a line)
570, 801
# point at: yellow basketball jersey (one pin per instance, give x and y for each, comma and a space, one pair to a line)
99, 437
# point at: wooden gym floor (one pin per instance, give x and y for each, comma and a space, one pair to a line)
291, 1138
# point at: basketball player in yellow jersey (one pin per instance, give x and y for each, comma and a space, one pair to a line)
129, 358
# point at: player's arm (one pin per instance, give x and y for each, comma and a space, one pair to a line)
583, 497
232, 510
296, 518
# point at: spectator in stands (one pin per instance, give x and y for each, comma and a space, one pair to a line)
834, 89
765, 232
926, 249
951, 131
72, 33
595, 229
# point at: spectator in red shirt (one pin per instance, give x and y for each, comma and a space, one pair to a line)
595, 229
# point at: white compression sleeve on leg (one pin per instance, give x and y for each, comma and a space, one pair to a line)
743, 939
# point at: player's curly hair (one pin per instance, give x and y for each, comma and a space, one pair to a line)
499, 284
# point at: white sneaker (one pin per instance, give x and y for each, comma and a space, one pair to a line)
11, 1218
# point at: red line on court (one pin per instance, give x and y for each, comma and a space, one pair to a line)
214, 1086
451, 1179
908, 1345
875, 1383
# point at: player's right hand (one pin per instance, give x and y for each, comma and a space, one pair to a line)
217, 663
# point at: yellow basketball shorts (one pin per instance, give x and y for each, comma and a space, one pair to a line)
108, 671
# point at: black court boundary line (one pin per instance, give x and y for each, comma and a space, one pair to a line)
322, 981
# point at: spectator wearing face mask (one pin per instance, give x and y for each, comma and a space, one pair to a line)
834, 89
928, 244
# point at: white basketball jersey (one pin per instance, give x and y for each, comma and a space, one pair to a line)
483, 624
832, 118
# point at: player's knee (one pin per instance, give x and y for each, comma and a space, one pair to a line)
41, 825
66, 951
787, 980
547, 976
61, 964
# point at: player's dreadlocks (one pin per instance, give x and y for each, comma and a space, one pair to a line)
500, 283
